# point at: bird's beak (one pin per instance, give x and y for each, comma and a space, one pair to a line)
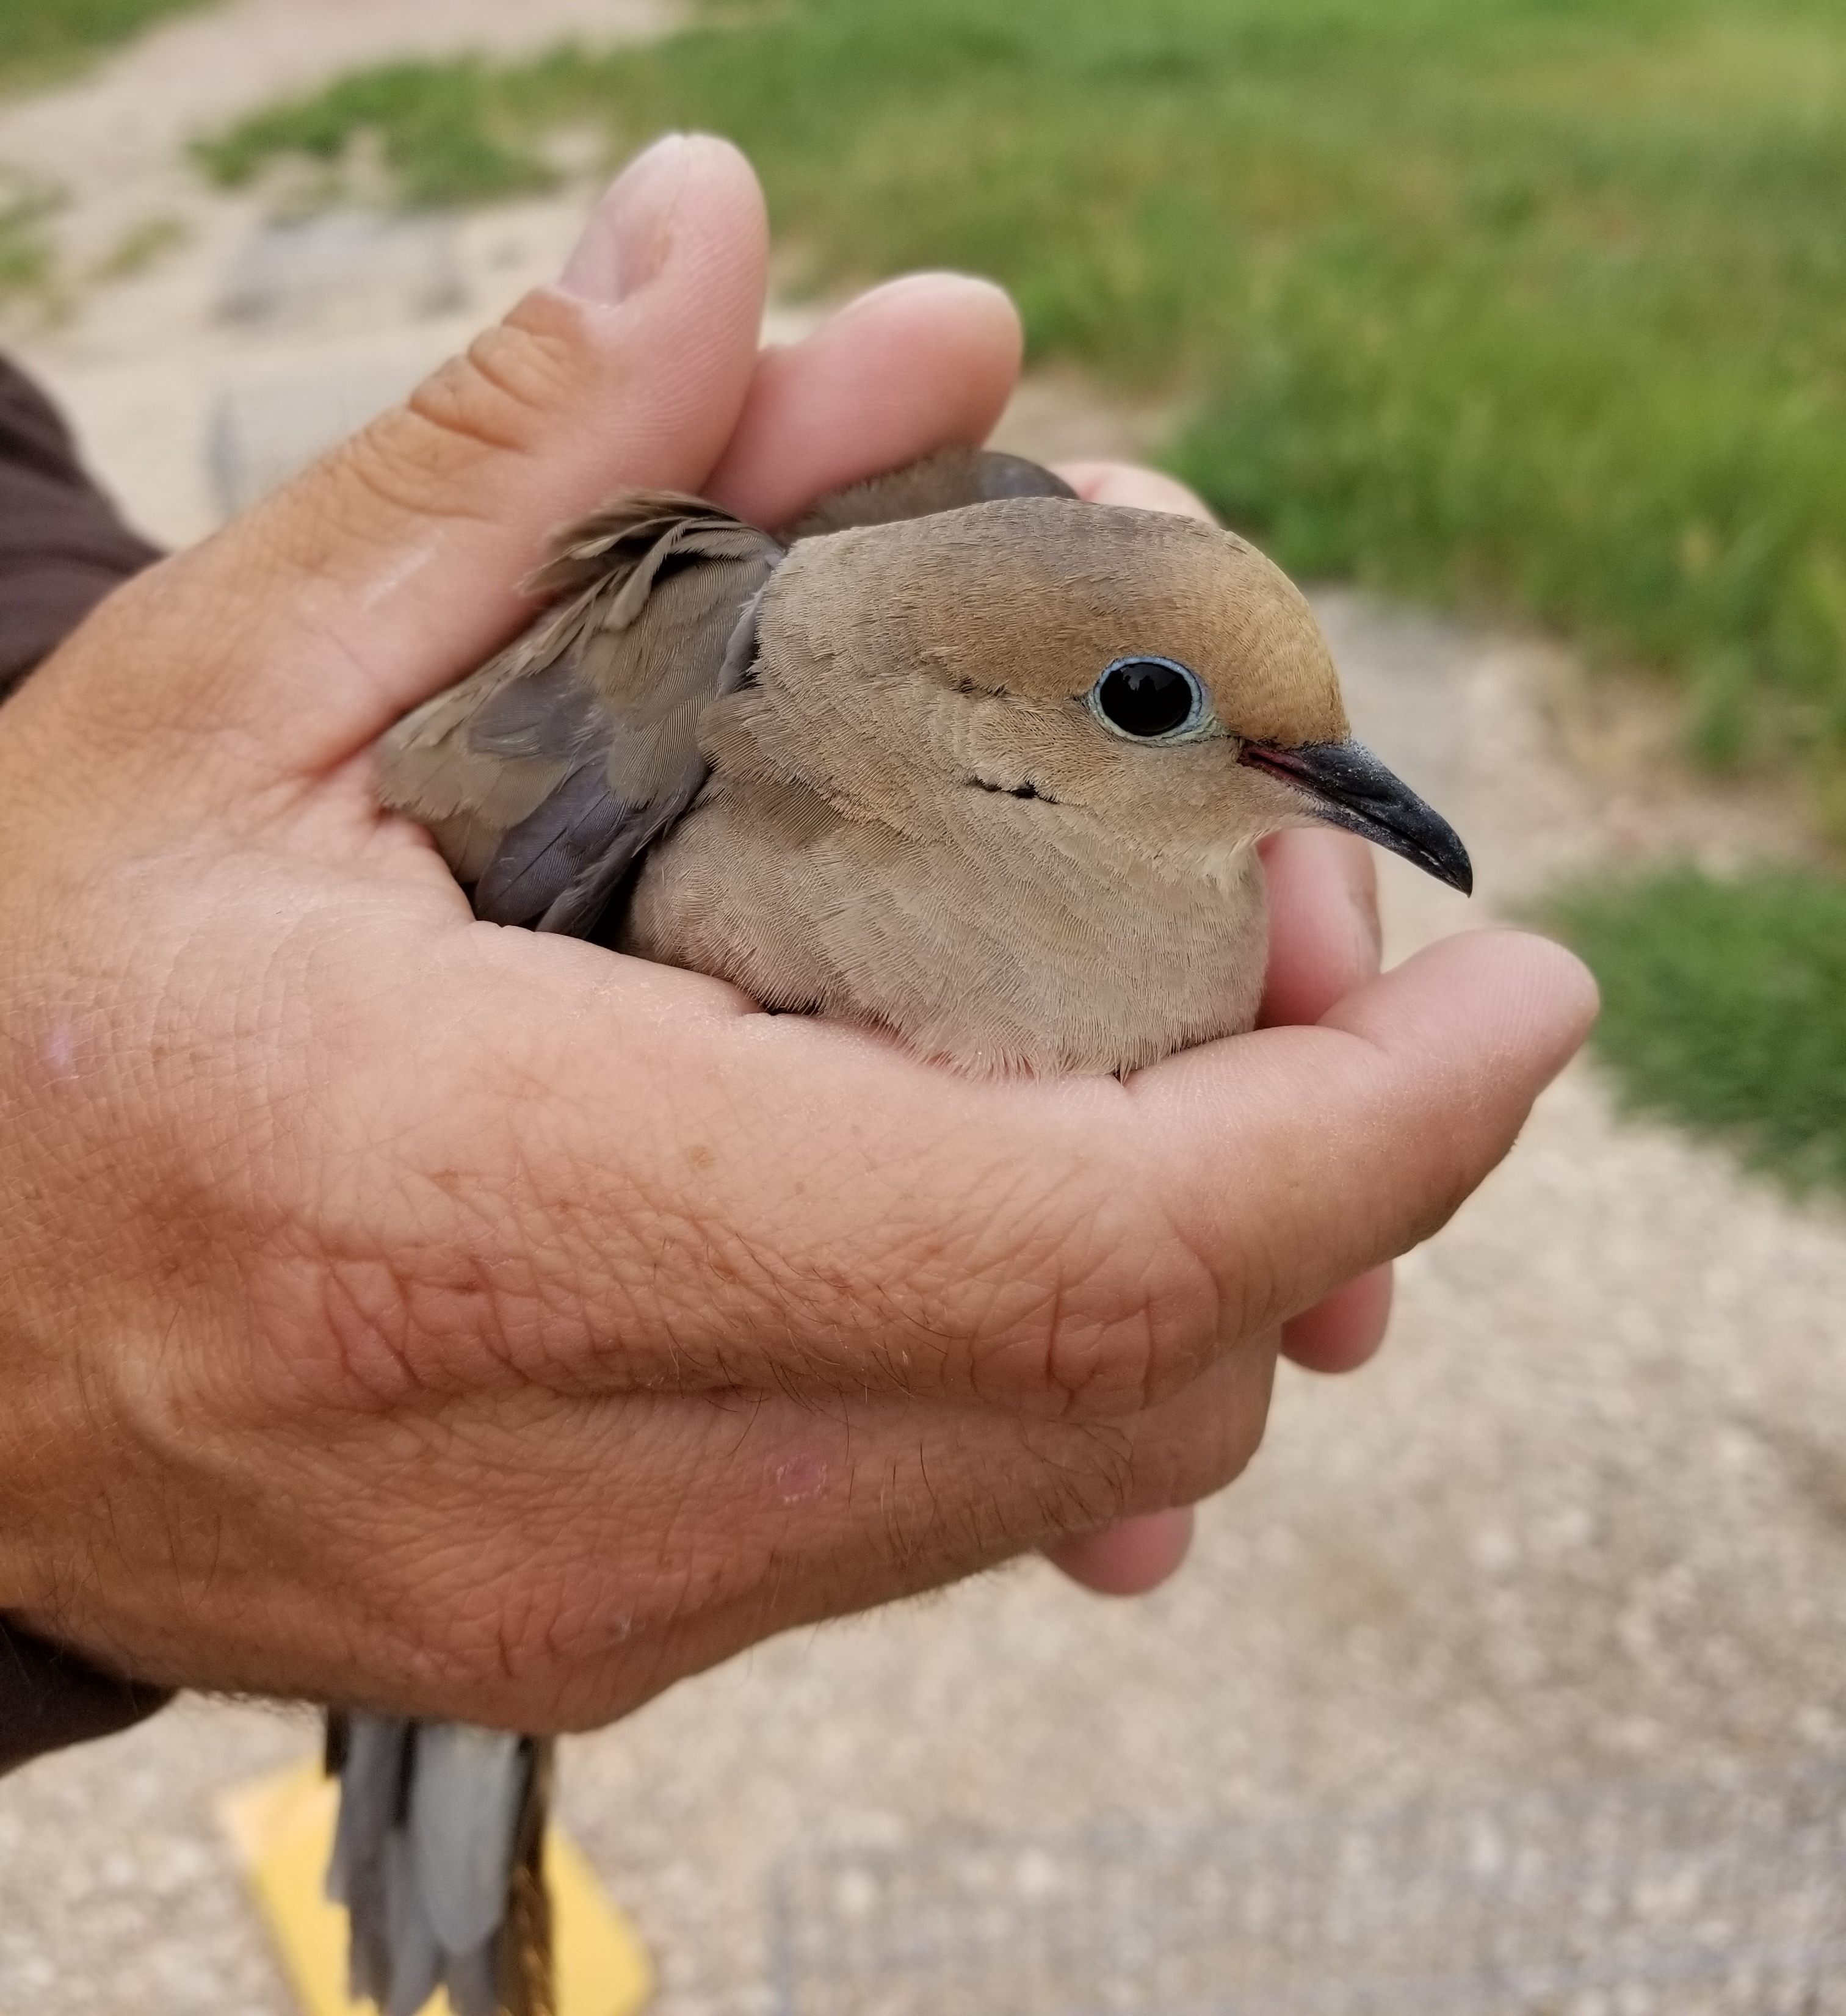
1349, 786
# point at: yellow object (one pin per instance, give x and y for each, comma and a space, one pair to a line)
281, 1825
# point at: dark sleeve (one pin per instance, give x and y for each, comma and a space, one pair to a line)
49, 1698
62, 547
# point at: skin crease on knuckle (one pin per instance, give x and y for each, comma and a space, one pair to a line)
506, 395
498, 404
1041, 1301
502, 402
1124, 1318
449, 1279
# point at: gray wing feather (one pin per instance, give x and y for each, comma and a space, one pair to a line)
433, 1818
464, 1807
374, 1773
539, 861
576, 910
473, 1984
546, 775
415, 1960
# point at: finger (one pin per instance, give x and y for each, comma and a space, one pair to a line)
1130, 1557
1337, 1334
531, 1586
1390, 1136
401, 550
1140, 489
921, 363
1324, 941
1073, 1246
1324, 935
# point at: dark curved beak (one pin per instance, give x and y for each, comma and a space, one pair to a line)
1350, 787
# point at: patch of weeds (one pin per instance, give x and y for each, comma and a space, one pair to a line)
27, 260
42, 40
1725, 1007
143, 245
440, 132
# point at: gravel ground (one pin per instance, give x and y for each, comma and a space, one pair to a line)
1583, 1525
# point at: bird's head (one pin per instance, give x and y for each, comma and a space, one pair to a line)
1078, 666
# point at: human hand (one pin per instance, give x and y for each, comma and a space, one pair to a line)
415, 1314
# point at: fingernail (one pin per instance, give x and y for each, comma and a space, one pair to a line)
627, 238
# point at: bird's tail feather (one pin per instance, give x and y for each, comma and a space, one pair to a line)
437, 1859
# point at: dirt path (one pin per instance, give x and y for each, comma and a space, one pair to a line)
283, 339
1585, 1523
117, 138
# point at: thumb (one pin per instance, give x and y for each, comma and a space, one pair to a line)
400, 550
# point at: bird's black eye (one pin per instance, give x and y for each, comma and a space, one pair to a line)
1148, 698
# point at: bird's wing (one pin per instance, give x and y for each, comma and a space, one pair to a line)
546, 774
941, 482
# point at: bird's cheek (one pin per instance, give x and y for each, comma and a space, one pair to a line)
1225, 861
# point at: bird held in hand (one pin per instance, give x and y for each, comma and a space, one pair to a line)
958, 756
990, 777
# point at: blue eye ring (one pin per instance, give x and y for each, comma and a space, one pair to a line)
1144, 698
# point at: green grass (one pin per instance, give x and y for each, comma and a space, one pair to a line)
142, 244
450, 133
1537, 305
27, 260
41, 40
1725, 1008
